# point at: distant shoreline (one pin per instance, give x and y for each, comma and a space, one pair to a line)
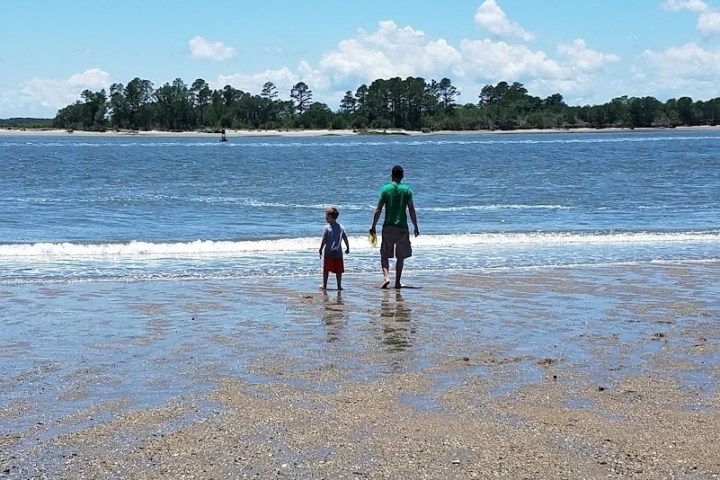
231, 133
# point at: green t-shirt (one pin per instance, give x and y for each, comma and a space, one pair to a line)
395, 197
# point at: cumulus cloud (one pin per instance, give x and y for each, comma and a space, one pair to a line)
388, 52
204, 49
584, 59
708, 22
690, 5
395, 51
283, 78
43, 97
689, 60
492, 18
687, 68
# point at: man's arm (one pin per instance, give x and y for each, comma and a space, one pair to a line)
413, 217
376, 217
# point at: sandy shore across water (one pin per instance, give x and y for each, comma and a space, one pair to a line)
587, 372
231, 133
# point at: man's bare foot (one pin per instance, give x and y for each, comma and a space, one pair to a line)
385, 283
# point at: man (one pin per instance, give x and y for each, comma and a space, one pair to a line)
397, 199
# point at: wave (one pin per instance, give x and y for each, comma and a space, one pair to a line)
225, 248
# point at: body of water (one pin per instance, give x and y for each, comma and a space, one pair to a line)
136, 208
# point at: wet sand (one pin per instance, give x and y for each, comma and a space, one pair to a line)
590, 372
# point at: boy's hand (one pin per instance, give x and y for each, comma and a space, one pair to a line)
320, 252
347, 250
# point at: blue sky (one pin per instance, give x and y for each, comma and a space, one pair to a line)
589, 51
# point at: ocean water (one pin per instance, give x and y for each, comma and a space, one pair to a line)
78, 209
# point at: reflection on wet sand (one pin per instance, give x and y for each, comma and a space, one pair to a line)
397, 328
334, 315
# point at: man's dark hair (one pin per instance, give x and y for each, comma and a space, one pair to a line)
398, 172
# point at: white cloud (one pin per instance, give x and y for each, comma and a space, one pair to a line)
283, 78
687, 70
204, 49
708, 22
394, 51
492, 18
690, 5
44, 97
583, 59
687, 61
389, 52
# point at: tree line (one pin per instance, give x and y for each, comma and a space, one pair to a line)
411, 104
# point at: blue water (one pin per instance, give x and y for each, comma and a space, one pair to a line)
107, 208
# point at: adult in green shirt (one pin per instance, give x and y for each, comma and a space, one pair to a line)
397, 199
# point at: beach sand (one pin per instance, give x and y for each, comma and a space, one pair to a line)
597, 372
232, 133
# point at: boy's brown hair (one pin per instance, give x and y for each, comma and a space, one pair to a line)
333, 212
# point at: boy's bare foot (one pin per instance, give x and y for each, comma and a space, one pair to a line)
399, 285
340, 288
385, 283
322, 287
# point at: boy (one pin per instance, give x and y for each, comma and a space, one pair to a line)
333, 236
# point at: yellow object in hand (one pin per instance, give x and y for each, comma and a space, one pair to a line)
372, 238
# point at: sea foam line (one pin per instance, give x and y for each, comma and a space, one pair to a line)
482, 138
211, 248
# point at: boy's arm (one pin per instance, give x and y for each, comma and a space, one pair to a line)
347, 242
322, 245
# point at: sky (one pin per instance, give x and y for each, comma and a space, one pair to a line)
589, 51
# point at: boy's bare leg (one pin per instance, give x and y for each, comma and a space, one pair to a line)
325, 279
338, 277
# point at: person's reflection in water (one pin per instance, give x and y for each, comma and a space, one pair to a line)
397, 329
334, 315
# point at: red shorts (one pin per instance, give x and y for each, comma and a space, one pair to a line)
334, 265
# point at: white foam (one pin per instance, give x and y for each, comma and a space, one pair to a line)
211, 248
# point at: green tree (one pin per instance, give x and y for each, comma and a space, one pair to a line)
269, 91
348, 103
118, 106
302, 96
446, 93
686, 111
94, 109
200, 94
173, 106
138, 99
318, 115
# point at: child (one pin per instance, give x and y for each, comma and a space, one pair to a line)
333, 236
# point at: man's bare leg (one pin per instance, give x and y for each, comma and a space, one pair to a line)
385, 263
398, 272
